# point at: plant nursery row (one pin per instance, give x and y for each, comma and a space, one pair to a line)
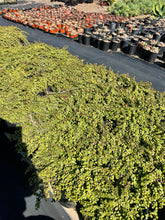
144, 38
58, 19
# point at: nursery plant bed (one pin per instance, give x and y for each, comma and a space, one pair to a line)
110, 26
46, 18
129, 34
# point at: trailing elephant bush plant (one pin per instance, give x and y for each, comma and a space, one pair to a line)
94, 134
131, 8
11, 37
158, 10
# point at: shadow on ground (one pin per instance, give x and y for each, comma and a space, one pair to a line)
14, 186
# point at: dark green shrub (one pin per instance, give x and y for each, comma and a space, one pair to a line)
97, 135
131, 8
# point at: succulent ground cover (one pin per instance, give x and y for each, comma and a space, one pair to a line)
94, 134
131, 8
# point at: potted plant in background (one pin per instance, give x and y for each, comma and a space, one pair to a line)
115, 44
151, 53
161, 46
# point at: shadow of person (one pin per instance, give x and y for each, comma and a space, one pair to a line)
14, 185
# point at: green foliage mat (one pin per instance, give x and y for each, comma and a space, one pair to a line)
131, 8
94, 134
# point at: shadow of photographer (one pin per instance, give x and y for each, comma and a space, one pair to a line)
14, 184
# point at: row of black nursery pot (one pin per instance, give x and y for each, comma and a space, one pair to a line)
147, 41
147, 52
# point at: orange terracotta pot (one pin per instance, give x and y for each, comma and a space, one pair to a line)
52, 31
68, 33
62, 31
90, 25
59, 25
63, 26
66, 27
41, 27
73, 36
47, 29
57, 30
4, 10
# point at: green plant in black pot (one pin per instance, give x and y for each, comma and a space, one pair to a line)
158, 10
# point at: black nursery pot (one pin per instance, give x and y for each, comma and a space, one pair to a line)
151, 57
161, 51
94, 27
86, 39
98, 42
122, 24
162, 37
117, 25
114, 45
80, 38
93, 41
135, 31
131, 48
112, 25
135, 41
143, 53
156, 36
87, 30
144, 33
163, 57
124, 45
104, 45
